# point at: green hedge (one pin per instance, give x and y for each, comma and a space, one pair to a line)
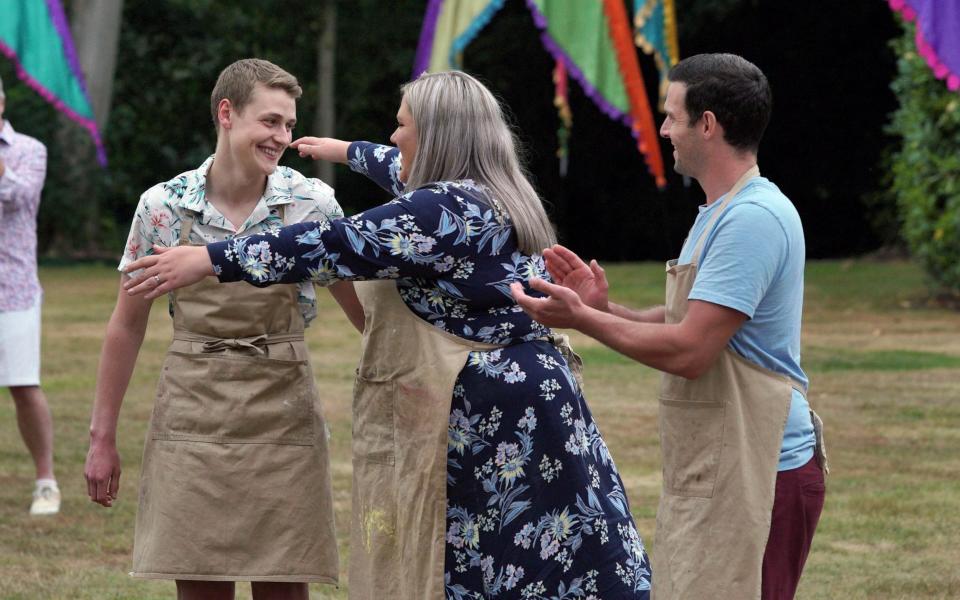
926, 167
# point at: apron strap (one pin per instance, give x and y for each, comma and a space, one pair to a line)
752, 172
562, 343
254, 344
186, 225
189, 216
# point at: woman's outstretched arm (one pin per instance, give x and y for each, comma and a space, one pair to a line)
426, 234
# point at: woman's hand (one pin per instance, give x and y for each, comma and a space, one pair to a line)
328, 149
167, 270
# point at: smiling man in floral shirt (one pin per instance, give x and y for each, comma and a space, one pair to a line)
23, 168
241, 350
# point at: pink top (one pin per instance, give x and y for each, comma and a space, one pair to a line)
25, 161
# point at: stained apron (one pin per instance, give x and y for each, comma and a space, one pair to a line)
720, 436
401, 412
235, 482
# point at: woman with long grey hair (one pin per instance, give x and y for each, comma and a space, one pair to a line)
479, 471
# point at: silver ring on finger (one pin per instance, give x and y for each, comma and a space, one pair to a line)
157, 279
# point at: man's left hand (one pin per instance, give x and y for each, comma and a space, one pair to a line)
561, 308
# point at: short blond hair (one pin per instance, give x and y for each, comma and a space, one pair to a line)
237, 82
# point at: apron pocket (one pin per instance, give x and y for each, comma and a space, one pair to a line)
691, 437
229, 398
373, 420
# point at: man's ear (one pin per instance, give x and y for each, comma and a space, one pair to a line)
708, 125
225, 113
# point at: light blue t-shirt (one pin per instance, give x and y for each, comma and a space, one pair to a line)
752, 261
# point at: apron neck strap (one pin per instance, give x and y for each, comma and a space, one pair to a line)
186, 224
752, 172
189, 216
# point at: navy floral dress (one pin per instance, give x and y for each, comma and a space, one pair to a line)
535, 506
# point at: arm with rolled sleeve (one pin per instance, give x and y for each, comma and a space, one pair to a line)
20, 186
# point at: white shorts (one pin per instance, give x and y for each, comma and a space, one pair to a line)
20, 347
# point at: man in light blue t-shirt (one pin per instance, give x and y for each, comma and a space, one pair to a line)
729, 343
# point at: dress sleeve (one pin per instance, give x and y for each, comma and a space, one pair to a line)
380, 163
427, 233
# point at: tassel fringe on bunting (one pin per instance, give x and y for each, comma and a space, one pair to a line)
655, 32
938, 35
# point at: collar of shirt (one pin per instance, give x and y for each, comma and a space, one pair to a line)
6, 133
277, 191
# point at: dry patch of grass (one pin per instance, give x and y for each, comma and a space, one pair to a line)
885, 369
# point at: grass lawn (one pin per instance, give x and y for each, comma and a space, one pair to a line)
885, 371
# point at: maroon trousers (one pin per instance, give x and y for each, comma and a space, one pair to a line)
797, 503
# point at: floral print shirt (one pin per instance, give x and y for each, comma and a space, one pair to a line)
25, 169
535, 506
159, 215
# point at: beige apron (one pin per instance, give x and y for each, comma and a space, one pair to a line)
235, 481
720, 436
401, 411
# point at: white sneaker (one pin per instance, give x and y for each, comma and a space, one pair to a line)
46, 501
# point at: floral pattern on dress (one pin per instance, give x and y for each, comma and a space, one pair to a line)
159, 215
535, 506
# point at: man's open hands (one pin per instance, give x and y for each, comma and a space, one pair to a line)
569, 270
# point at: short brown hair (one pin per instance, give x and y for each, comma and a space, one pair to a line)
732, 88
237, 81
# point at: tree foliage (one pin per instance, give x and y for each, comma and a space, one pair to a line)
926, 166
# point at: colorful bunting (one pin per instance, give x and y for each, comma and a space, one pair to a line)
655, 32
938, 35
594, 43
34, 34
448, 28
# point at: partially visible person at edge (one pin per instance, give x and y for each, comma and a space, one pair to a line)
470, 426
23, 168
742, 488
235, 482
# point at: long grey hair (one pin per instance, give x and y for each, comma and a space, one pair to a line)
462, 134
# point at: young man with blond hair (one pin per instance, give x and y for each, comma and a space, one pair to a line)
235, 481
